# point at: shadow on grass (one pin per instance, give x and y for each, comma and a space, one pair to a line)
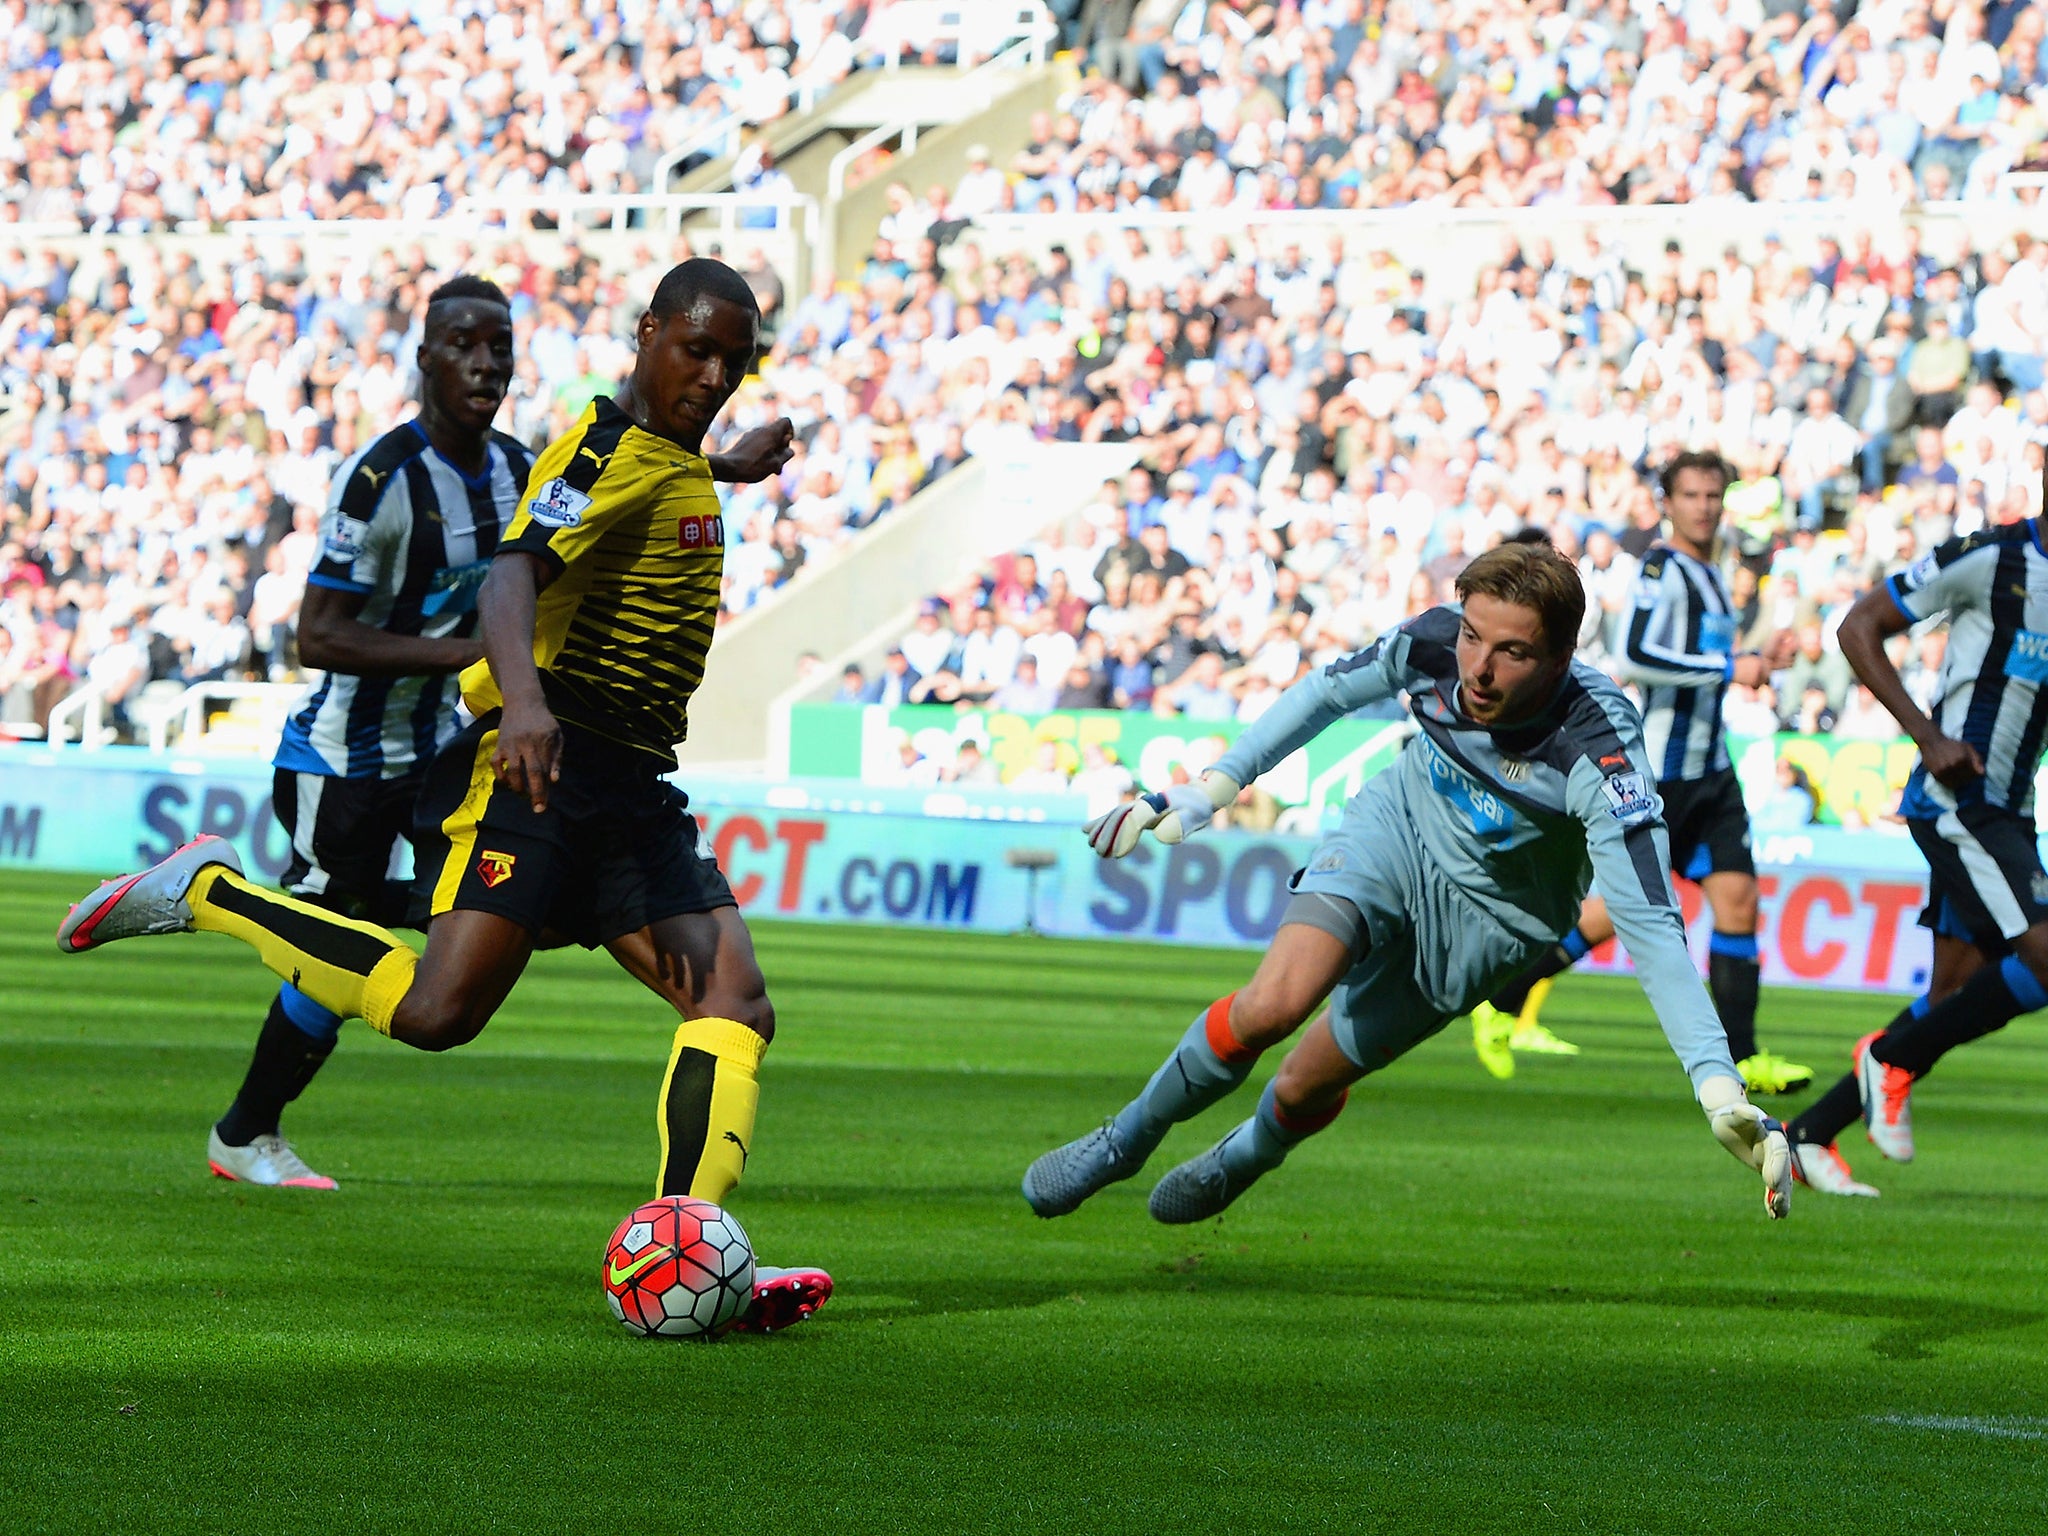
1917, 1325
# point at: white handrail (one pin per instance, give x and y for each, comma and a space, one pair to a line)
1028, 25
1726, 218
1016, 53
191, 704
622, 205
969, 25
803, 93
89, 702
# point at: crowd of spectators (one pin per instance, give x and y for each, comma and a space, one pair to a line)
1324, 432
1325, 438
131, 118
169, 431
1253, 105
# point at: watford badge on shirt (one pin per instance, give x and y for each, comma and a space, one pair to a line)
494, 869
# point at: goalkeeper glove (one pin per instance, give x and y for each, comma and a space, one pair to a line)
1170, 815
1754, 1137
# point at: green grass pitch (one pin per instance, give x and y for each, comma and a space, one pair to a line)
1547, 1304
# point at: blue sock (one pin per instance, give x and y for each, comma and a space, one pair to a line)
308, 1016
1195, 1076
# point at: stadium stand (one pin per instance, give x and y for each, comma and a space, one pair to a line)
132, 119
1353, 104
1327, 439
1327, 428
1329, 433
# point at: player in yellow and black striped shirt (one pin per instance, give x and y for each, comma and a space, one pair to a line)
550, 820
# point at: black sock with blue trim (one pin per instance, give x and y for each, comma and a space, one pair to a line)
297, 1038
1988, 1001
1734, 976
1842, 1106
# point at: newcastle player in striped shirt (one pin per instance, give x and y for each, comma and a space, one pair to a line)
1680, 652
390, 615
1970, 807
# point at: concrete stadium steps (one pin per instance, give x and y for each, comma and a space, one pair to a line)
952, 108
852, 608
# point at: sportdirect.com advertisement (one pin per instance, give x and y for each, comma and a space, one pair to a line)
1838, 909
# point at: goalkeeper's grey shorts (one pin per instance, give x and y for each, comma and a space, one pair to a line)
1425, 951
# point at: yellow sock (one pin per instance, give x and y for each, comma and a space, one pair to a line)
354, 969
706, 1111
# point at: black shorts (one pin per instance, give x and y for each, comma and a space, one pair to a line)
616, 849
1708, 825
345, 834
1985, 881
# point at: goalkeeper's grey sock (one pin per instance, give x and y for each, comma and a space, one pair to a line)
1262, 1143
1207, 1065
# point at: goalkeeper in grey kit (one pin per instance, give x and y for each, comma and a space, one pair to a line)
1448, 873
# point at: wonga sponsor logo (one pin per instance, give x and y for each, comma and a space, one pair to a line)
2028, 658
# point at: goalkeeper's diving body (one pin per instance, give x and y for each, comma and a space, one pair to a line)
1449, 872
550, 820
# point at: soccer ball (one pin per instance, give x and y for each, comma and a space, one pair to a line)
678, 1267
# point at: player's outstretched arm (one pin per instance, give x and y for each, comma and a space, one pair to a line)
1631, 858
1756, 1140
528, 757
1379, 672
756, 455
1170, 815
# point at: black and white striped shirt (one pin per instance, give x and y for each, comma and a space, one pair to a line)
415, 536
1679, 649
1994, 587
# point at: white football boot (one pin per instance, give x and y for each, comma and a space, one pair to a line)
152, 901
1825, 1169
1887, 1095
266, 1160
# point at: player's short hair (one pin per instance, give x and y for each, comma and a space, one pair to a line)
1695, 458
1528, 534
700, 277
1533, 576
465, 285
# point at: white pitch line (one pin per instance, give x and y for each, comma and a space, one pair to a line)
1998, 1428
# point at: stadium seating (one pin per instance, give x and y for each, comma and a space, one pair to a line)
1330, 434
1327, 431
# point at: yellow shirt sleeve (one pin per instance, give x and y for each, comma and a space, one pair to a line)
568, 504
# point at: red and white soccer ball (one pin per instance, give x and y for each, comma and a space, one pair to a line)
678, 1267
